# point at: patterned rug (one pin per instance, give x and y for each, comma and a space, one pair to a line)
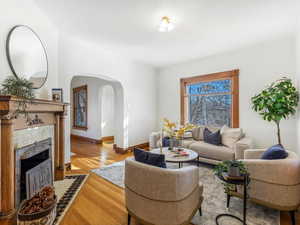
214, 198
66, 191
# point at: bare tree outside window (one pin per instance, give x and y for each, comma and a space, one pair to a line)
210, 99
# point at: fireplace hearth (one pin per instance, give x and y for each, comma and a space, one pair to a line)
33, 169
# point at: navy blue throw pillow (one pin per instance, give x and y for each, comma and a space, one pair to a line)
149, 158
212, 138
166, 142
275, 152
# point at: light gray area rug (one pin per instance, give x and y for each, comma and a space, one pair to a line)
214, 199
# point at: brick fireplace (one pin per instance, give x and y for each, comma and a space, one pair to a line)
17, 136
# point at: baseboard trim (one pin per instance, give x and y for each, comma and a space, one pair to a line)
108, 138
87, 139
68, 166
130, 149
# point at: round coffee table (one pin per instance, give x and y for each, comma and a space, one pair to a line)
170, 156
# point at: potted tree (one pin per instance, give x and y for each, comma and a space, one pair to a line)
277, 102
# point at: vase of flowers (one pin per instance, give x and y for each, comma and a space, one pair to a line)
175, 132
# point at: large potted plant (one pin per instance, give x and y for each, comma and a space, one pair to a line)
276, 102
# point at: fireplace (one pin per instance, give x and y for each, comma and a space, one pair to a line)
33, 169
49, 113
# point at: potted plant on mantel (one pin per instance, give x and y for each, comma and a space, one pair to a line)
277, 102
21, 88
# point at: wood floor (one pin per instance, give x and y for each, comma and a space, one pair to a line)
100, 202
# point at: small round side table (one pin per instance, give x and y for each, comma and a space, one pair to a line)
244, 182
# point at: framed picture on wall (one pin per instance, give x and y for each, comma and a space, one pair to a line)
57, 94
80, 104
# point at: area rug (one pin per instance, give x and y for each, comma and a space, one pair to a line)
214, 198
66, 191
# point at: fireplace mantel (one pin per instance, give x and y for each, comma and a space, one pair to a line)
40, 113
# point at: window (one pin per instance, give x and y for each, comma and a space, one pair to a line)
80, 108
211, 99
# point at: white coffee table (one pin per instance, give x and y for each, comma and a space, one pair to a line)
169, 156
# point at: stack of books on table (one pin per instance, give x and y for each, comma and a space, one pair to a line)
180, 153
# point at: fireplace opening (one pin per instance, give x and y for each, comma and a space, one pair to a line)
28, 164
34, 169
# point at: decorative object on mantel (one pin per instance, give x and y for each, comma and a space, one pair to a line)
21, 88
277, 102
174, 132
57, 94
35, 121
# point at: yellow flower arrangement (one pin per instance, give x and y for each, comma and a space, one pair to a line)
171, 129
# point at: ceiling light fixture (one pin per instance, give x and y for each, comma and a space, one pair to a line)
165, 24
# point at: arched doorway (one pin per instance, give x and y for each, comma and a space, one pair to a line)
95, 86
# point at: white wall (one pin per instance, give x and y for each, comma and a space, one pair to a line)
298, 81
15, 12
78, 57
259, 65
101, 117
107, 111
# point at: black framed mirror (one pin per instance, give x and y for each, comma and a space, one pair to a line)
27, 55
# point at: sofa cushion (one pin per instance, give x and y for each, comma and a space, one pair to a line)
209, 151
212, 138
275, 152
187, 142
231, 135
149, 158
166, 142
197, 133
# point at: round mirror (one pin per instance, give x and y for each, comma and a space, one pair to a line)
26, 55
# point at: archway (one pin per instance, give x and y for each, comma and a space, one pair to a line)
95, 85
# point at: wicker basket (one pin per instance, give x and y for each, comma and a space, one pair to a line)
45, 217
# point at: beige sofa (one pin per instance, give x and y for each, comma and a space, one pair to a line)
274, 183
159, 196
209, 153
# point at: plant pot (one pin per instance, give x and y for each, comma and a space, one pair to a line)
234, 171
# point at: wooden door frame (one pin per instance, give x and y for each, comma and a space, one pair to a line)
231, 74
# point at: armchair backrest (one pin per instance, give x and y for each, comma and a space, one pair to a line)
159, 183
280, 171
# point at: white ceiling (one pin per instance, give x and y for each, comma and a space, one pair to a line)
202, 27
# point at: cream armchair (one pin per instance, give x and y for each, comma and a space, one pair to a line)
274, 183
157, 196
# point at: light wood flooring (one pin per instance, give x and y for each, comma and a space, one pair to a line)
99, 201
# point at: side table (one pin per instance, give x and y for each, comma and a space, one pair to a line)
244, 182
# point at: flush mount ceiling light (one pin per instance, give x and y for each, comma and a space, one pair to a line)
165, 25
